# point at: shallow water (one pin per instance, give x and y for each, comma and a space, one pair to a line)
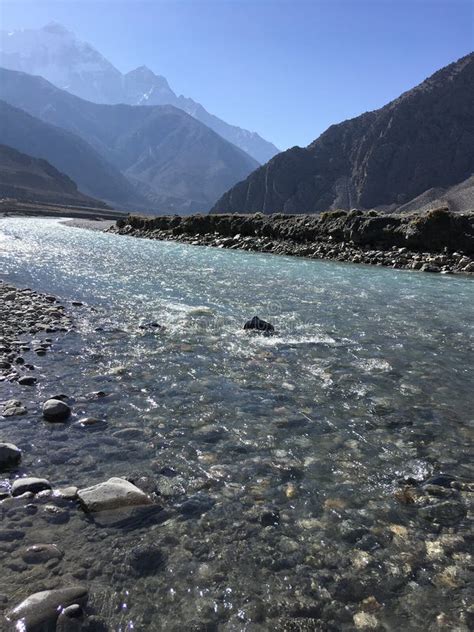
368, 380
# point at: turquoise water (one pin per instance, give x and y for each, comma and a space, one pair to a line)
368, 380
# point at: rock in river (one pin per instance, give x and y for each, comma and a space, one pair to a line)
41, 553
146, 559
257, 324
446, 513
10, 455
112, 494
56, 410
27, 380
71, 619
40, 611
34, 485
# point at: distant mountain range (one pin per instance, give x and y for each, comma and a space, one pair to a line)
155, 158
33, 179
68, 153
421, 144
56, 54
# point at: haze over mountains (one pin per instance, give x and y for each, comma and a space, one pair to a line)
159, 158
421, 142
68, 153
29, 179
56, 54
135, 144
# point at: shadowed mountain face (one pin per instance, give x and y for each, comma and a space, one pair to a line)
66, 152
25, 178
423, 139
174, 161
54, 53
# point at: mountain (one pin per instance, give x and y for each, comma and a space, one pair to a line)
143, 87
176, 162
57, 55
25, 178
68, 153
458, 199
423, 139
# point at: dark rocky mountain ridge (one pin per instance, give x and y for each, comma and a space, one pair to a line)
423, 139
57, 55
25, 178
174, 161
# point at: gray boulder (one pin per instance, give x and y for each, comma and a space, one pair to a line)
10, 455
41, 553
112, 494
40, 611
33, 485
56, 410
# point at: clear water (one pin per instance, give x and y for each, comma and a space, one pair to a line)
369, 379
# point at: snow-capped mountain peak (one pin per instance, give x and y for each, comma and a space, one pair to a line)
56, 54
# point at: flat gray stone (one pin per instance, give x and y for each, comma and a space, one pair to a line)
112, 494
68, 493
40, 611
10, 455
14, 411
33, 485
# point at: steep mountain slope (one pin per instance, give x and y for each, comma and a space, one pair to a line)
68, 153
57, 55
423, 139
458, 199
143, 87
178, 163
25, 178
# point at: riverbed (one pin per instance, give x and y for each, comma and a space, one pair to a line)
296, 472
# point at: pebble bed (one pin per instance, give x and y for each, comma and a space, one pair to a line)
241, 531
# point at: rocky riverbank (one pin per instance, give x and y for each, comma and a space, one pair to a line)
437, 241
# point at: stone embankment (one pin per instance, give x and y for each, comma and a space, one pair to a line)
437, 241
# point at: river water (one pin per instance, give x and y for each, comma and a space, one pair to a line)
279, 458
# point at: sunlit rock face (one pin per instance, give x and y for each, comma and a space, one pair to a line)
384, 158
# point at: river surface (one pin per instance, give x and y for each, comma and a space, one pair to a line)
281, 456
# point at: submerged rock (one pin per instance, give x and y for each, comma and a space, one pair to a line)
90, 423
270, 518
40, 611
41, 553
257, 324
70, 619
10, 455
112, 494
56, 410
446, 513
146, 559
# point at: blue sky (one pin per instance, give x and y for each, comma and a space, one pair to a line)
285, 68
